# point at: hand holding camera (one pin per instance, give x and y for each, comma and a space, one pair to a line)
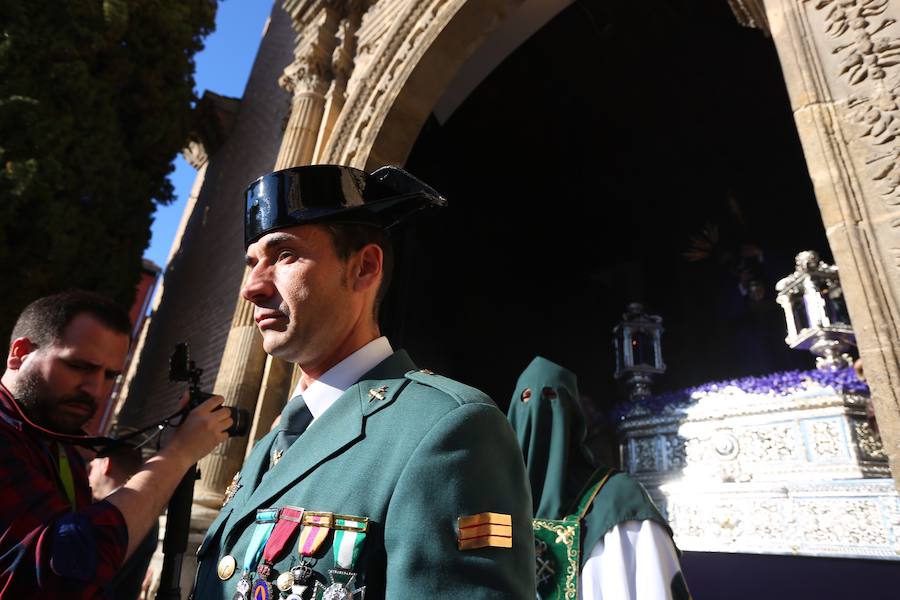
204, 428
182, 368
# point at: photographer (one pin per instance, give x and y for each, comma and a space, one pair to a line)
65, 353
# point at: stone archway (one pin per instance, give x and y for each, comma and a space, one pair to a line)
367, 73
398, 85
840, 65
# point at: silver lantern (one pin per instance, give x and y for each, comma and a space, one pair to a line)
816, 313
638, 348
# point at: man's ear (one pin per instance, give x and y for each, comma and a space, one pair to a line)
20, 348
368, 267
106, 466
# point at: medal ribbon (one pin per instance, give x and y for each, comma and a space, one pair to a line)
349, 535
265, 523
65, 474
288, 521
315, 530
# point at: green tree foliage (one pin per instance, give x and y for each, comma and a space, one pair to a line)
95, 97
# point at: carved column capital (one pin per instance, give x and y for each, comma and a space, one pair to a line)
308, 74
211, 123
195, 152
317, 25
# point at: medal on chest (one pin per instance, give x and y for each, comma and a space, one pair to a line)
289, 519
266, 519
349, 535
316, 527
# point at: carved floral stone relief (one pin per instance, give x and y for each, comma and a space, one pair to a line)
867, 48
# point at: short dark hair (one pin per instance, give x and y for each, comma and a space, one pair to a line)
349, 238
44, 320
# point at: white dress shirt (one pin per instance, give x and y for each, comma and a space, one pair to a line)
635, 560
322, 393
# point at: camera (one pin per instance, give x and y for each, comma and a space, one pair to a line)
182, 368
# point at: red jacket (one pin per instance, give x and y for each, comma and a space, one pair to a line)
47, 549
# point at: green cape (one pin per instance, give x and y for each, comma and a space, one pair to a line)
551, 430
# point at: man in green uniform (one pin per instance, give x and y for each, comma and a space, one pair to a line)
380, 480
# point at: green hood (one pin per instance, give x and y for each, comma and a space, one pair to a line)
549, 425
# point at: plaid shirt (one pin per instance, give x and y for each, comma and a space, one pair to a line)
46, 549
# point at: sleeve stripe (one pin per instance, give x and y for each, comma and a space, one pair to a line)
485, 518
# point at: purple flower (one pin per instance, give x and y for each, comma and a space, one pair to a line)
843, 381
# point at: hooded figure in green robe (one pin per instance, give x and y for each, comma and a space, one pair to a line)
548, 422
545, 415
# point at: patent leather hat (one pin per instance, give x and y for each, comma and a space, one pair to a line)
333, 193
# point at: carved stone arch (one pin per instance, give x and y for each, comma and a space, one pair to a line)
841, 63
416, 60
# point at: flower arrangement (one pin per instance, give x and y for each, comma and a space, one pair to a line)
842, 381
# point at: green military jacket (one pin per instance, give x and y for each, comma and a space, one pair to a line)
413, 458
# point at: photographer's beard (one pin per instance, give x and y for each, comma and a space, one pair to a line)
61, 414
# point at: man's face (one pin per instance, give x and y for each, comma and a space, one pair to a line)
304, 303
61, 385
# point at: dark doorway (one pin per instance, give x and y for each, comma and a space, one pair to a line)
578, 173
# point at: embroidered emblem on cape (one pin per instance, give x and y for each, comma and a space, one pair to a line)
544, 564
485, 530
232, 488
557, 551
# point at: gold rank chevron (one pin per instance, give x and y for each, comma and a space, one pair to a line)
485, 530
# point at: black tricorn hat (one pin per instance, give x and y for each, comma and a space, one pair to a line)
333, 193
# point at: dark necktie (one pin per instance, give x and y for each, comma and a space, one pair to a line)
295, 418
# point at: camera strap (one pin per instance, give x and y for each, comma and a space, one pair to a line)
65, 474
99, 444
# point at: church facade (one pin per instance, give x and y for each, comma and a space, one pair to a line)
355, 82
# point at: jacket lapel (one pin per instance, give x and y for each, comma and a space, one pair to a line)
333, 432
255, 466
337, 428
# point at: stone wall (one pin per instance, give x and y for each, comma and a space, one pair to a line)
203, 277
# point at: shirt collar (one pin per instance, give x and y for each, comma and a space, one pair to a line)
322, 393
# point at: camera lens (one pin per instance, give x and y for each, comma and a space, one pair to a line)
241, 422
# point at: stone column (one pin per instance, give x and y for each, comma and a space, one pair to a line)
841, 63
244, 362
273, 393
238, 381
307, 78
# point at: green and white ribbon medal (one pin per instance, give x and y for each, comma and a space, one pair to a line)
266, 519
349, 536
